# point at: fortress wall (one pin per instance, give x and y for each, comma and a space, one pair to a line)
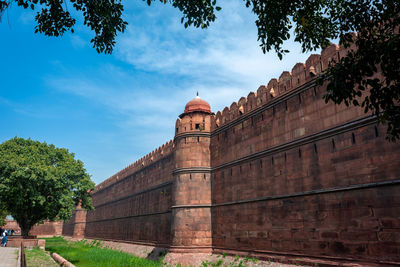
289, 176
68, 226
134, 204
295, 112
287, 118
46, 228
296, 176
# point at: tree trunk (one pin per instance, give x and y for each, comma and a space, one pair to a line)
25, 230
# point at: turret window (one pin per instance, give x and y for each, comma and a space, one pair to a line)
197, 126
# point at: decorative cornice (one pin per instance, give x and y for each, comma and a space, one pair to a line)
312, 192
192, 170
192, 134
196, 206
131, 216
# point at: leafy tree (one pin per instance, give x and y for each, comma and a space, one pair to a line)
41, 182
103, 17
3, 215
368, 76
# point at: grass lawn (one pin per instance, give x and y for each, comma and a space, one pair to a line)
37, 257
84, 253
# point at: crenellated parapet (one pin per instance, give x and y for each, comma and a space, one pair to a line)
155, 155
300, 75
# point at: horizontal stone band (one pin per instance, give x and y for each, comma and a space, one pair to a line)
192, 170
312, 192
192, 206
131, 216
192, 134
304, 140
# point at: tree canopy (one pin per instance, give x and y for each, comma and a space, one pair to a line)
368, 76
3, 215
41, 182
103, 17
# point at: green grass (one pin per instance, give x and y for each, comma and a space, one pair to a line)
85, 254
37, 257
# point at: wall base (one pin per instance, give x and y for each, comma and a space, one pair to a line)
186, 259
177, 249
298, 259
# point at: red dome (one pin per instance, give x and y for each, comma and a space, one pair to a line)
197, 104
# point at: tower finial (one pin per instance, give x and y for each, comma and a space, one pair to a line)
197, 94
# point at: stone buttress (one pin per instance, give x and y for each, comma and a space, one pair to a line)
191, 200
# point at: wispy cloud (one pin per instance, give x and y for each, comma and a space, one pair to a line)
226, 55
24, 109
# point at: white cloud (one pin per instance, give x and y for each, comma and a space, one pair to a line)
223, 62
226, 55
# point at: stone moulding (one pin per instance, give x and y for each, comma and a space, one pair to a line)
368, 120
131, 216
312, 192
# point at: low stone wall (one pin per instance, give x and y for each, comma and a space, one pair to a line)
15, 242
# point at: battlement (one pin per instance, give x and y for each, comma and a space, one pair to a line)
148, 159
300, 74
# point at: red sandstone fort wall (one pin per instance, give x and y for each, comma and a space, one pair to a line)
290, 176
68, 227
42, 230
293, 175
47, 229
135, 204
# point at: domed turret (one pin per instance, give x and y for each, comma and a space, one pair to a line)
196, 117
197, 105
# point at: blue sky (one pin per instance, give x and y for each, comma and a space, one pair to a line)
111, 110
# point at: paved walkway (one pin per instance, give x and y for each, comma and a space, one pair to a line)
8, 257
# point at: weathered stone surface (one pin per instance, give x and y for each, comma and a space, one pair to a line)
278, 174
